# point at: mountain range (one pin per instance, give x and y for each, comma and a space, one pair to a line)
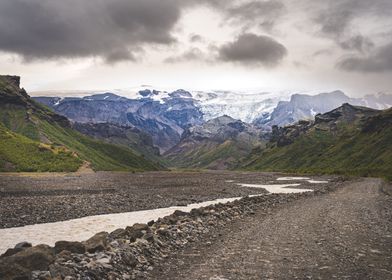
326, 132
167, 115
34, 138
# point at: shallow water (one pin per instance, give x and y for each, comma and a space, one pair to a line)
301, 179
292, 178
282, 188
83, 228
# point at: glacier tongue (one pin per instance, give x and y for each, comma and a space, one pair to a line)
242, 106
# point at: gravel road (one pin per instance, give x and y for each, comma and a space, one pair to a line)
346, 234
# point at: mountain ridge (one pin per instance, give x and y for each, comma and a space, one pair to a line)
351, 140
44, 136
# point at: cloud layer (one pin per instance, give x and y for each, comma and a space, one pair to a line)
114, 30
252, 49
379, 61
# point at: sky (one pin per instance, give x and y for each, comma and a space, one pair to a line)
298, 45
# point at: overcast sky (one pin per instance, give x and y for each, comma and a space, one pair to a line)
199, 44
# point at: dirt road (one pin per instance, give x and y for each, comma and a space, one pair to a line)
346, 234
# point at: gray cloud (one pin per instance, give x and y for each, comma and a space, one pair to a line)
195, 38
261, 13
379, 61
251, 49
190, 55
336, 20
114, 30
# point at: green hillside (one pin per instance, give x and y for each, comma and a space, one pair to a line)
19, 153
33, 125
356, 146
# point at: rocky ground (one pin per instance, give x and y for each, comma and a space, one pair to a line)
40, 198
343, 230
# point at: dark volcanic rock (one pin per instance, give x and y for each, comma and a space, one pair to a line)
96, 243
73, 247
136, 231
20, 265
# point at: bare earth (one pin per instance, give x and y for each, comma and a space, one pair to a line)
346, 234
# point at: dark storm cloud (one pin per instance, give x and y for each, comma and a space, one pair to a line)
379, 61
252, 49
114, 30
261, 13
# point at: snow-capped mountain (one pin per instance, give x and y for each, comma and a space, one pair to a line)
305, 107
165, 115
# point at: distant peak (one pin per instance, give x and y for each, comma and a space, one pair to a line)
180, 93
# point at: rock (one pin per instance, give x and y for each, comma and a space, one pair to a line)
118, 233
18, 248
20, 265
73, 247
149, 237
23, 245
180, 213
129, 259
136, 231
97, 243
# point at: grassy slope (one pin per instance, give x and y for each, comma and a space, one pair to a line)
19, 153
350, 151
102, 156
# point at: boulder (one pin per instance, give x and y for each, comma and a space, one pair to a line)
96, 243
136, 231
20, 265
73, 247
118, 233
18, 248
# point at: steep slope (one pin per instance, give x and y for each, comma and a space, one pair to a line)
217, 144
347, 140
126, 136
30, 120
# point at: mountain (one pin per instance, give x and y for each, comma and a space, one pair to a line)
164, 118
126, 136
347, 140
305, 107
37, 139
216, 144
238, 105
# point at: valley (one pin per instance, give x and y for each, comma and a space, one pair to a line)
106, 187
281, 234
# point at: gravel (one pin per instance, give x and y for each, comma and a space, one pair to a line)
42, 198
